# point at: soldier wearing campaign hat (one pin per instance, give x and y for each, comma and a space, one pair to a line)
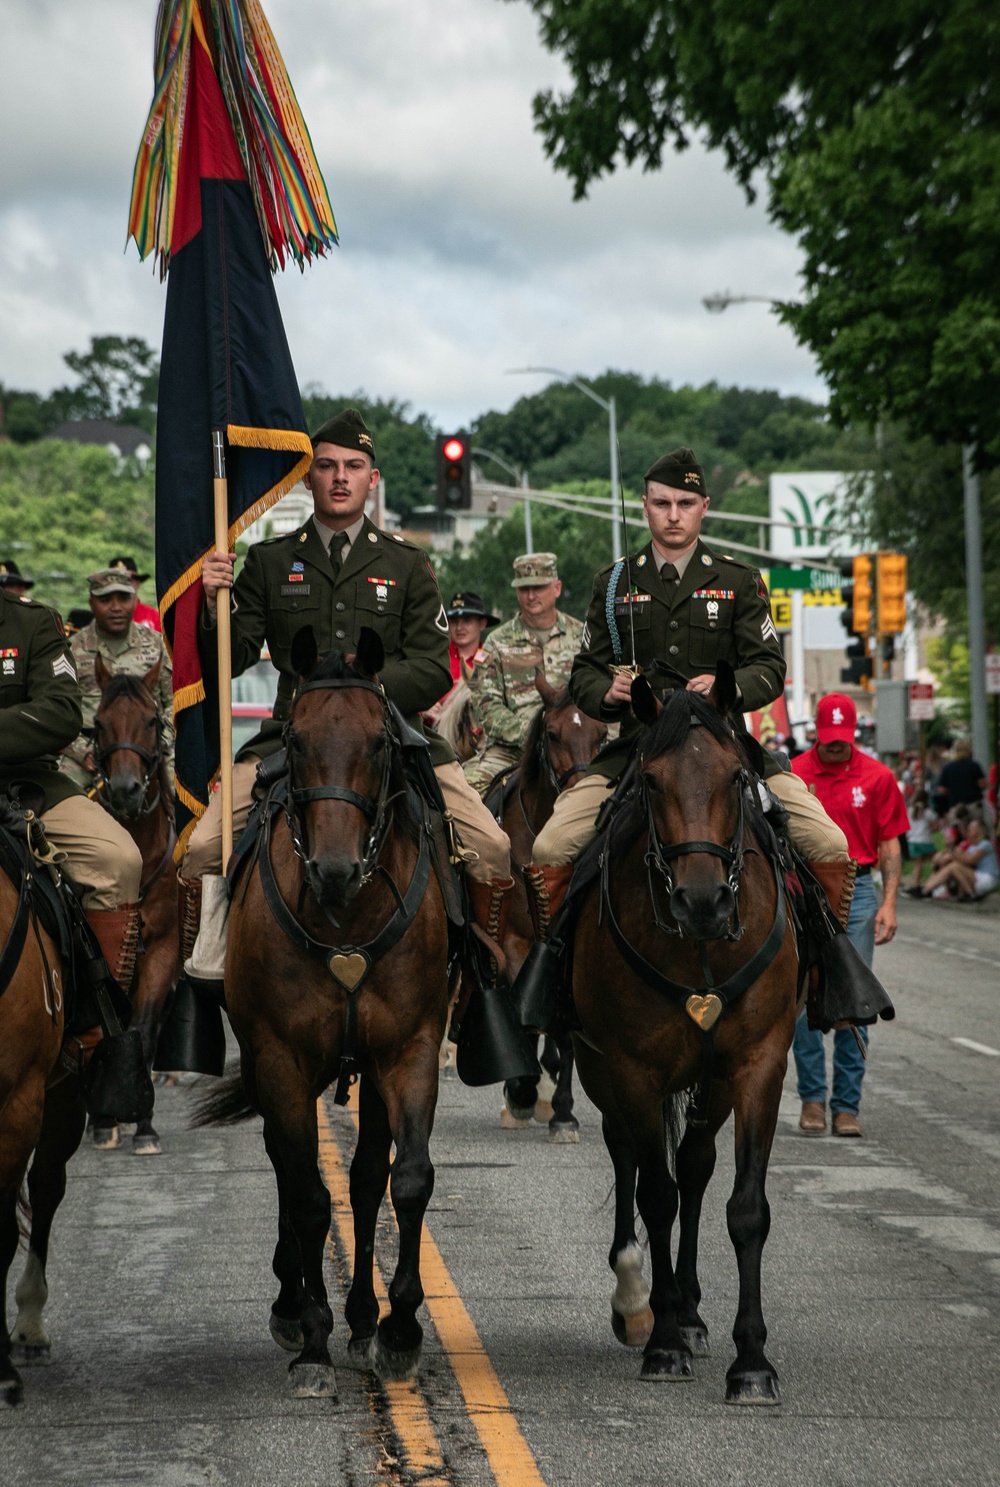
339, 573
123, 646
12, 580
539, 638
682, 602
468, 617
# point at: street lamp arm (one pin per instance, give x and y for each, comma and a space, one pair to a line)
563, 377
487, 454
716, 303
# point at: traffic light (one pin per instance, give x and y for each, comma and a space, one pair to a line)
454, 472
891, 590
862, 600
846, 566
859, 666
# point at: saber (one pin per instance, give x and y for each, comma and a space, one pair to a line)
632, 669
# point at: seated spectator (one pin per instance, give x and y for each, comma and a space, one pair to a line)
961, 781
921, 838
970, 870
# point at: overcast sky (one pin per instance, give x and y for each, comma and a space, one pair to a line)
462, 252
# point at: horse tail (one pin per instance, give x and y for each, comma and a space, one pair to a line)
226, 1104
674, 1115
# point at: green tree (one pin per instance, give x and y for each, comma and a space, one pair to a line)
876, 131
119, 377
65, 509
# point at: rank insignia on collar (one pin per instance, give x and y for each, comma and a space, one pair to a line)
304, 537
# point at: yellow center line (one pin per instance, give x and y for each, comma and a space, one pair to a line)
407, 1409
486, 1403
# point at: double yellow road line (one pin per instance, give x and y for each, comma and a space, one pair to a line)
486, 1403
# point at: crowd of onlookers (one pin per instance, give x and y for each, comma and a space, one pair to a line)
952, 835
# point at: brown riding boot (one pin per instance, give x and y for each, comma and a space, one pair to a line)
188, 913
490, 905
546, 887
117, 932
837, 879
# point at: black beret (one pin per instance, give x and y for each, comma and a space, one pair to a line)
348, 431
680, 470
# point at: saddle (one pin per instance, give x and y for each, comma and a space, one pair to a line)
500, 791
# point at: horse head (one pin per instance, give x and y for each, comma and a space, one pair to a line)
694, 777
127, 735
568, 739
341, 756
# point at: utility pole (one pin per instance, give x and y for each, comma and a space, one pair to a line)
974, 590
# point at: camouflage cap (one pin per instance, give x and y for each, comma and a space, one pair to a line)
109, 581
533, 570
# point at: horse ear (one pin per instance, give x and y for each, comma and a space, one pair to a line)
546, 692
724, 689
644, 702
151, 678
304, 653
370, 655
101, 673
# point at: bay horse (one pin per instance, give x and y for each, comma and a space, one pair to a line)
685, 976
560, 746
32, 1014
134, 787
338, 960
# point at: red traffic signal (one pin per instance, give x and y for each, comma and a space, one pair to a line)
454, 472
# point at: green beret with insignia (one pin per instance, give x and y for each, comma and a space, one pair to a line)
347, 430
680, 470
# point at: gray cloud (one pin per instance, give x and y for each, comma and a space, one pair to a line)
462, 251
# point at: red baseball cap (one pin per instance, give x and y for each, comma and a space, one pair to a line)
836, 719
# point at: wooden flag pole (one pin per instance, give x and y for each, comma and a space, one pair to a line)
220, 488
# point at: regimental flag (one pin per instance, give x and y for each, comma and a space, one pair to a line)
226, 188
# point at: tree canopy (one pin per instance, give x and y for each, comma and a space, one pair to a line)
876, 130
118, 380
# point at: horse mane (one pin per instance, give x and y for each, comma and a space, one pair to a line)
680, 711
334, 666
530, 762
122, 684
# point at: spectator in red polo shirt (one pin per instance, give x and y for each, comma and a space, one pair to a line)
861, 795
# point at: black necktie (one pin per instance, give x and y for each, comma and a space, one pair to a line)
338, 547
668, 574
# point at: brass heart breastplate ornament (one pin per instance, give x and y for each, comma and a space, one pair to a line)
349, 970
704, 1010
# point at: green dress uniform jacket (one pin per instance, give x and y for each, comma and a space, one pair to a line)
385, 583
503, 678
718, 611
40, 709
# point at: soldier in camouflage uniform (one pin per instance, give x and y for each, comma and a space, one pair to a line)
503, 681
123, 646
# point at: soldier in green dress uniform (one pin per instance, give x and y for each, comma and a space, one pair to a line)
691, 607
338, 573
539, 638
40, 714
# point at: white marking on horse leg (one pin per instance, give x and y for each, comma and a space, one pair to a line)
631, 1293
31, 1295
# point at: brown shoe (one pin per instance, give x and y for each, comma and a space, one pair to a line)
845, 1123
812, 1121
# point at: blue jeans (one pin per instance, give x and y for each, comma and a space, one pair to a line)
848, 1065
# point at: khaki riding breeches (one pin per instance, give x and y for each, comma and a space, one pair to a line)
482, 770
477, 829
571, 826
101, 858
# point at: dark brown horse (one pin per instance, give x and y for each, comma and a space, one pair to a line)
133, 785
562, 743
685, 977
31, 1031
338, 949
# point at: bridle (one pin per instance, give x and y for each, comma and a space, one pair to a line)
558, 782
376, 811
659, 855
151, 758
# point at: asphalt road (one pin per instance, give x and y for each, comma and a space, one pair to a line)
881, 1284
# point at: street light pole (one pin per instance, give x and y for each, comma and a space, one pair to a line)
974, 590
608, 404
522, 476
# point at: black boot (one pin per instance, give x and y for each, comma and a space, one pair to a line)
535, 993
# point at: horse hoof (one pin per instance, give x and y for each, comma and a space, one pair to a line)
695, 1339
390, 1364
663, 1367
542, 1112
511, 1120
634, 1331
287, 1333
147, 1145
11, 1390
361, 1351
31, 1355
312, 1381
564, 1133
106, 1138
758, 1387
